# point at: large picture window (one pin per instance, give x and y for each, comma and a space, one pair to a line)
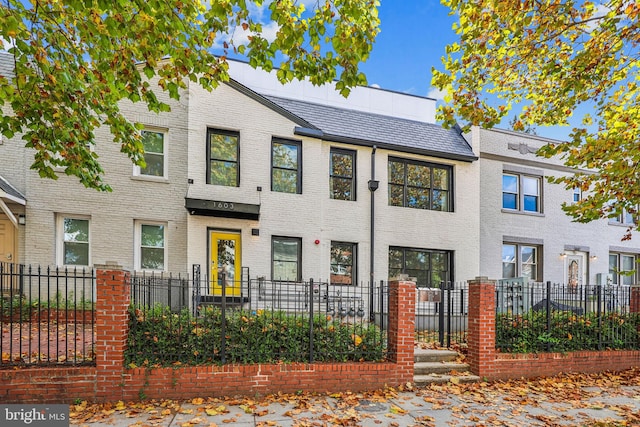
521, 261
521, 192
223, 152
154, 154
429, 267
74, 242
343, 263
342, 178
286, 166
286, 258
419, 185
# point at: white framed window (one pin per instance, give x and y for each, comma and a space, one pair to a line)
73, 242
521, 192
154, 142
622, 268
151, 246
521, 261
577, 195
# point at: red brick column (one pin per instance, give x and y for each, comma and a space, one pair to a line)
634, 305
481, 331
402, 327
112, 324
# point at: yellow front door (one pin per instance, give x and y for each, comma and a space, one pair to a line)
226, 264
7, 242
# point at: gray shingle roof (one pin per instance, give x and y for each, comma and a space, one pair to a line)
363, 128
11, 190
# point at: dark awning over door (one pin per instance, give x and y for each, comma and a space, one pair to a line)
219, 208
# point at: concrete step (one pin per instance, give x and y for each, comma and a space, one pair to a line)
424, 380
440, 366
426, 368
425, 355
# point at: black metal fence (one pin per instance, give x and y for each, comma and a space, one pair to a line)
46, 315
442, 314
180, 320
546, 317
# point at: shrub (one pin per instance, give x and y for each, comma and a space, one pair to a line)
159, 337
566, 332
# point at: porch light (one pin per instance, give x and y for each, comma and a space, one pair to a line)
563, 255
22, 220
593, 257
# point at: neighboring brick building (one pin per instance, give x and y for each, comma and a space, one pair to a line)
525, 233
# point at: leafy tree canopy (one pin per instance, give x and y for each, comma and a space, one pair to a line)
74, 60
551, 57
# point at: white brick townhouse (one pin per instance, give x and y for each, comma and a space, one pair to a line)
258, 179
525, 233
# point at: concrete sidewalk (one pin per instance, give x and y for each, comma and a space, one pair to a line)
438, 406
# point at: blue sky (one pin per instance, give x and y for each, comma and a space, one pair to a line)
412, 40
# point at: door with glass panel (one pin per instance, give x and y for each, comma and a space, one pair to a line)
226, 264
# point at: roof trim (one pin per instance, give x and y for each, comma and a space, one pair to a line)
317, 133
9, 192
269, 104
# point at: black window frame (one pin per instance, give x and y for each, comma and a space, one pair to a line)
211, 131
298, 145
431, 190
333, 176
429, 283
353, 266
298, 240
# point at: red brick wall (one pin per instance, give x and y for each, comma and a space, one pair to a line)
110, 380
485, 362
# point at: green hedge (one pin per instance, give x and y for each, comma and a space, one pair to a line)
567, 332
158, 337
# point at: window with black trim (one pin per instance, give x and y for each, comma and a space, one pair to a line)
286, 166
429, 267
342, 174
622, 268
286, 258
343, 263
420, 185
521, 192
519, 260
223, 154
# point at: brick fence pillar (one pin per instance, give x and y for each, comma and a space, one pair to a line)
634, 305
112, 323
402, 327
481, 331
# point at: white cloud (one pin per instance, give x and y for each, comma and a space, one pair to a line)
436, 93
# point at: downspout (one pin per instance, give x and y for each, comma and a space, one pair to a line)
373, 186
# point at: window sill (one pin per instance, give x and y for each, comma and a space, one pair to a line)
158, 179
527, 213
620, 224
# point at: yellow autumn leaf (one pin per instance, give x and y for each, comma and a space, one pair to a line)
120, 406
197, 401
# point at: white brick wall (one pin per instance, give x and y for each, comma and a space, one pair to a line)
553, 227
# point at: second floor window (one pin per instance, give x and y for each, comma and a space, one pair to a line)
286, 166
223, 151
521, 192
419, 185
341, 180
154, 154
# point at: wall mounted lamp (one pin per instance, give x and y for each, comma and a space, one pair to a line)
563, 255
593, 257
22, 220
